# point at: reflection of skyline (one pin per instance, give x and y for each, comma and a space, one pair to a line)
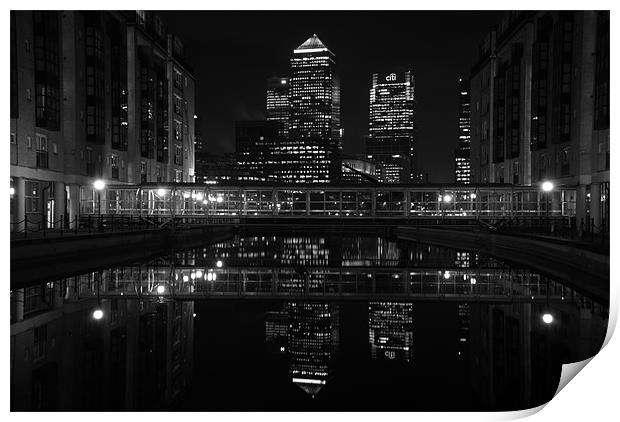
312, 250
464, 316
390, 331
309, 332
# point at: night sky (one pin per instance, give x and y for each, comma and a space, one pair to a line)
232, 54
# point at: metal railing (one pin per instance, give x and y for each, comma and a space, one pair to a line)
41, 227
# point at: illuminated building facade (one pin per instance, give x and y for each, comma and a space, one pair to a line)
214, 169
94, 95
359, 170
540, 107
278, 105
256, 142
390, 331
391, 133
312, 152
313, 339
462, 160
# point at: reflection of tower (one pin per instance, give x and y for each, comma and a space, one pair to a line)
276, 329
313, 340
462, 259
391, 331
464, 316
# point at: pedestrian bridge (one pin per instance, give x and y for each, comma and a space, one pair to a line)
243, 203
194, 282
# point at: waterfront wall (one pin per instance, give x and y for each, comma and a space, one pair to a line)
40, 260
582, 269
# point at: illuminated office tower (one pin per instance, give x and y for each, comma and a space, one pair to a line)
314, 145
462, 159
278, 106
391, 133
256, 143
313, 339
390, 331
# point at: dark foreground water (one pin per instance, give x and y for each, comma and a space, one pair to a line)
300, 322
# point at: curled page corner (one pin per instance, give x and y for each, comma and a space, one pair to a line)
611, 323
518, 414
569, 370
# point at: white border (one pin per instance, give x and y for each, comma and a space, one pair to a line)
590, 396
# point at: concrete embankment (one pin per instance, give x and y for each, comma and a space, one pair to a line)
39, 260
584, 270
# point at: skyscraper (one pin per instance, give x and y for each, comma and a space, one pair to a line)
314, 143
278, 106
256, 143
391, 131
462, 160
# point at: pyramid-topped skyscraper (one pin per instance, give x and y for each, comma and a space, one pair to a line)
315, 138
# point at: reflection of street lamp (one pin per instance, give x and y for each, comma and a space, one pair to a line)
547, 187
97, 314
547, 318
99, 186
219, 264
161, 289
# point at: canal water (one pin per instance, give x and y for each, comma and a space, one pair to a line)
300, 322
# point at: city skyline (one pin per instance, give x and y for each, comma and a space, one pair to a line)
400, 39
307, 261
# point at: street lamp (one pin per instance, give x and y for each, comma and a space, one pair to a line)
97, 314
547, 187
547, 318
99, 185
161, 289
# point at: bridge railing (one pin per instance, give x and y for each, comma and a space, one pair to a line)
159, 283
489, 202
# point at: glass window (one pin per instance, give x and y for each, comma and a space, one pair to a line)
33, 197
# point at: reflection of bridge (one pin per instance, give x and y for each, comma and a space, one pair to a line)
340, 283
481, 202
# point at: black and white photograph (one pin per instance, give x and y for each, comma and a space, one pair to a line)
306, 210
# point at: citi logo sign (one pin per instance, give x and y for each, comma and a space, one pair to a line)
390, 354
391, 77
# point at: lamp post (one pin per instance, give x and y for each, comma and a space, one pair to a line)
547, 187
99, 186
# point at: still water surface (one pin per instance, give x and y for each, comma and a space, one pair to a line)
300, 322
